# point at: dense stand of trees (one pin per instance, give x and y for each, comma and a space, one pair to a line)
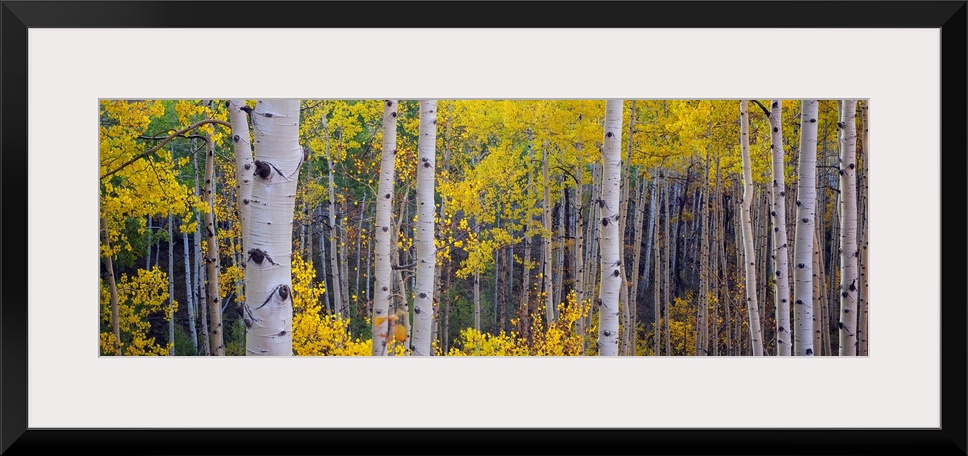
484, 227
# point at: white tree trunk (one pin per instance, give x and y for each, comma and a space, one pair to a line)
781, 255
339, 304
383, 275
805, 226
171, 287
189, 293
862, 297
546, 240
848, 230
756, 334
268, 278
423, 307
213, 301
611, 264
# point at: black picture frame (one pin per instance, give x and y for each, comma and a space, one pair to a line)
17, 16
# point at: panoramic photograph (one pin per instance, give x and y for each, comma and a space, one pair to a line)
481, 227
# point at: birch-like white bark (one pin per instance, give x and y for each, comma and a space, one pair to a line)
781, 255
546, 240
848, 229
268, 278
211, 257
803, 255
756, 334
383, 275
423, 307
189, 293
339, 304
611, 264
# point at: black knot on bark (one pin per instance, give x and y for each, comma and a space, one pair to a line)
781, 329
801, 265
851, 166
282, 333
262, 169
775, 129
799, 302
393, 114
809, 351
384, 288
813, 120
385, 229
246, 109
416, 310
773, 213
778, 273
798, 202
247, 166
606, 333
806, 220
609, 135
616, 273
245, 201
844, 294
389, 103
284, 292
236, 138
426, 165
423, 295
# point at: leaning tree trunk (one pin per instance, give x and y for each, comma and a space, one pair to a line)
848, 230
781, 255
756, 333
383, 275
268, 278
211, 256
423, 307
803, 285
611, 264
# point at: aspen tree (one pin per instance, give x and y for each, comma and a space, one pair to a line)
112, 285
268, 278
611, 263
171, 287
211, 256
383, 275
546, 239
803, 255
848, 229
189, 294
340, 306
781, 256
862, 298
423, 308
756, 334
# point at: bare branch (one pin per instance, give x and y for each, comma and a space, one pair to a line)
165, 141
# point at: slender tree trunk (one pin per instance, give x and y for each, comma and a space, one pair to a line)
359, 251
112, 286
171, 288
781, 256
820, 339
717, 245
667, 262
339, 306
329, 305
423, 307
383, 274
649, 235
805, 231
703, 309
189, 293
862, 292
594, 235
756, 334
611, 263
560, 252
546, 240
268, 278
525, 319
848, 230
578, 251
636, 258
200, 278
212, 257
656, 301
